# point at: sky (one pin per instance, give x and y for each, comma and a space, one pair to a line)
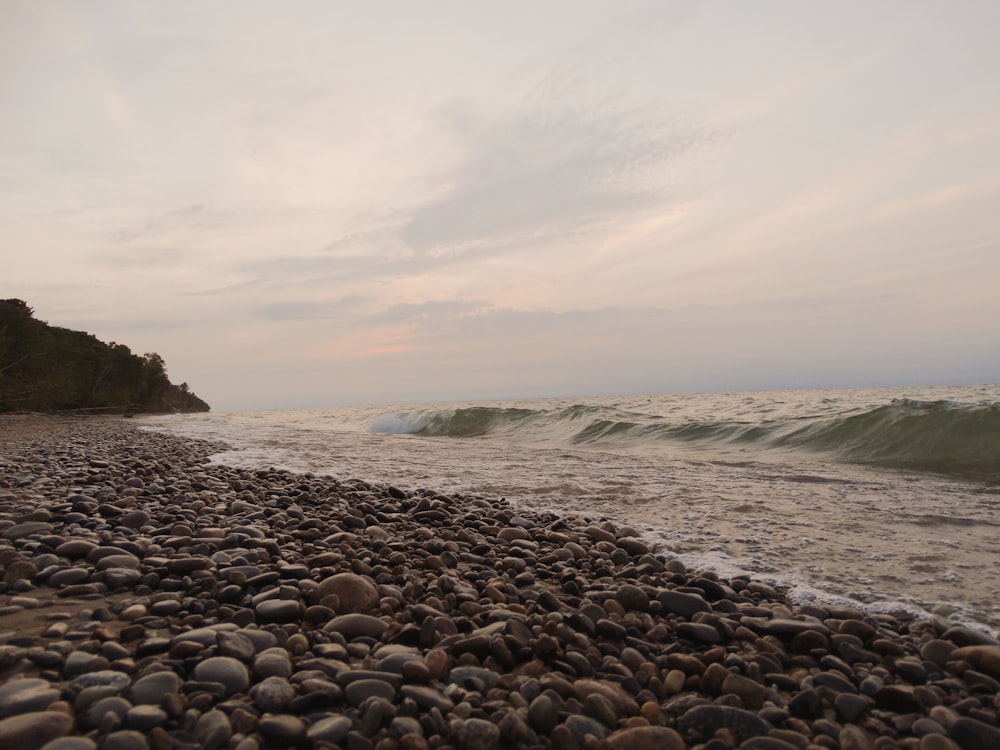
318, 203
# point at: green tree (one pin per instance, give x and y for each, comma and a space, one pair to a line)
47, 368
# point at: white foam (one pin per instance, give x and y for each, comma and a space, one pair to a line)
395, 424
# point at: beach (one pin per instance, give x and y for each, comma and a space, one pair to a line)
152, 599
884, 500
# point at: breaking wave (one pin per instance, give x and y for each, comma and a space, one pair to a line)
942, 437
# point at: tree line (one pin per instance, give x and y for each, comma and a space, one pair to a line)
51, 369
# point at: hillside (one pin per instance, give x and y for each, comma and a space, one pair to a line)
50, 369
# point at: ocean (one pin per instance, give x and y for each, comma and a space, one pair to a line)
887, 499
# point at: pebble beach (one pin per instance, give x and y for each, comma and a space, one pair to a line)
150, 599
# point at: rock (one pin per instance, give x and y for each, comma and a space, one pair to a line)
899, 698
70, 743
332, 729
355, 625
596, 706
853, 737
580, 726
970, 734
924, 725
278, 610
751, 693
68, 577
282, 730
346, 677
201, 636
850, 707
20, 569
119, 578
118, 681
937, 742
272, 662
359, 690
226, 670
183, 566
33, 729
702, 722
75, 548
984, 658
150, 689
354, 593
786, 627
937, 651
543, 714
144, 718
26, 529
26, 695
273, 694
129, 562
428, 698
125, 739
681, 603
645, 738
622, 702
805, 704
108, 713
963, 636
213, 730
699, 632
772, 743
632, 598
79, 662
235, 645
479, 734
135, 519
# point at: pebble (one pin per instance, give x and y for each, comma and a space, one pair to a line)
478, 734
70, 743
33, 729
26, 695
331, 729
150, 688
213, 730
354, 592
645, 738
204, 606
273, 694
282, 729
702, 722
232, 674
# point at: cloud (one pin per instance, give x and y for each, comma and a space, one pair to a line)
540, 174
432, 312
308, 310
380, 341
197, 217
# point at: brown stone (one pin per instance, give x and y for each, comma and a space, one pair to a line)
751, 693
645, 738
354, 593
853, 737
33, 729
613, 693
983, 658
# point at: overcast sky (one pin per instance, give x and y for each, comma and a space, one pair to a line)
314, 203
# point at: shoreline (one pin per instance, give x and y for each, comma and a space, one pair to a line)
271, 609
820, 531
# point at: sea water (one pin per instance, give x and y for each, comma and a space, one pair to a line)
887, 499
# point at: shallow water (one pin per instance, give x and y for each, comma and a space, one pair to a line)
713, 478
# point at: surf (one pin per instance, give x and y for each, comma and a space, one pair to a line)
937, 436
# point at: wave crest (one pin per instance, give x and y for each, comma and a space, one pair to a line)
924, 436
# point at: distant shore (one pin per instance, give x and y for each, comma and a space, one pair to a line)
149, 599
